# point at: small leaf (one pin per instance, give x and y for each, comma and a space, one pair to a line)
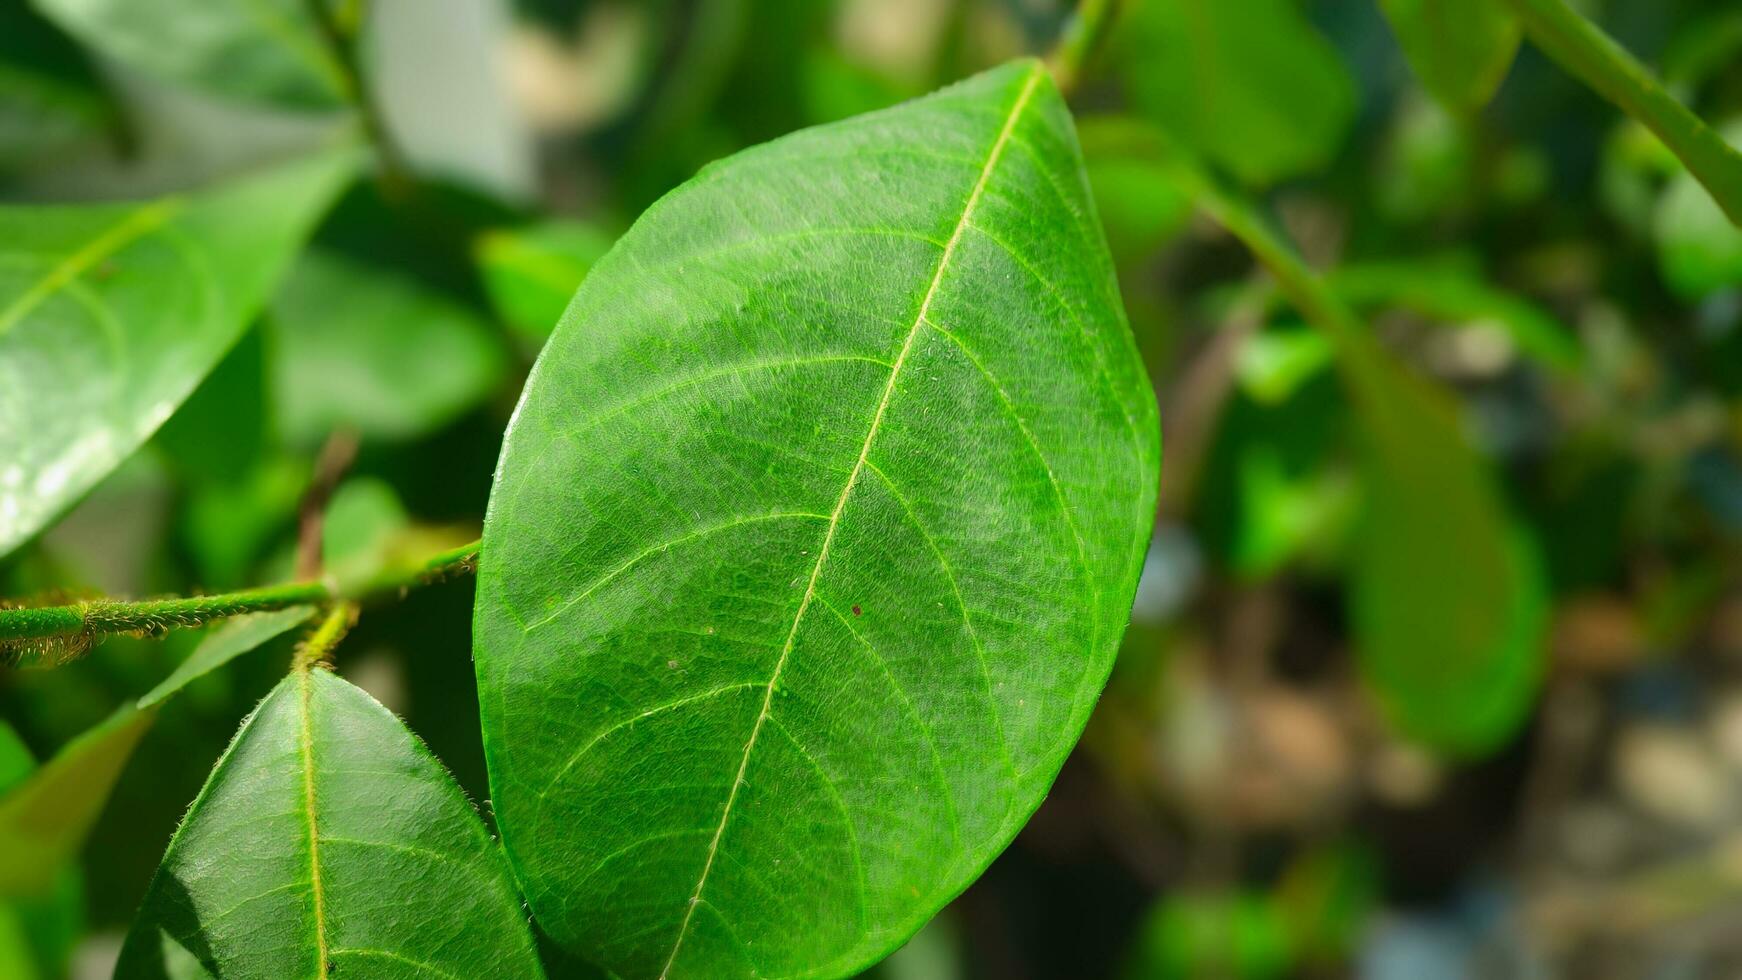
268, 51
110, 315
44, 821
329, 842
366, 348
813, 540
1698, 250
224, 643
531, 273
1460, 49
1250, 84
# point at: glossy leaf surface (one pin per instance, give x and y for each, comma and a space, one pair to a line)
261, 50
813, 541
1250, 84
1460, 49
329, 842
110, 315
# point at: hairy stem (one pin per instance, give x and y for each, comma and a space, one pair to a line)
75, 626
1583, 49
317, 649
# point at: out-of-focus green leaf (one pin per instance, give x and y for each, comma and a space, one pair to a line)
328, 842
37, 932
44, 820
836, 477
268, 51
1272, 365
362, 347
219, 434
531, 272
1250, 84
1445, 292
228, 527
1448, 603
1138, 206
362, 522
50, 99
111, 314
1698, 249
224, 643
16, 761
1460, 49
1242, 936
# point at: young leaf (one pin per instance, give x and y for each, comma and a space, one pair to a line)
329, 842
110, 314
813, 540
268, 51
1250, 84
44, 818
1460, 49
364, 347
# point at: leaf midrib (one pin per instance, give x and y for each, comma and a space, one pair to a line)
133, 226
962, 223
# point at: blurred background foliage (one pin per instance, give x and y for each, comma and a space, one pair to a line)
1436, 665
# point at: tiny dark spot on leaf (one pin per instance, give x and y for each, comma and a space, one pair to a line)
857, 611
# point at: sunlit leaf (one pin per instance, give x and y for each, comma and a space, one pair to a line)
329, 842
1460, 49
110, 314
532, 272
268, 51
362, 347
813, 540
1250, 84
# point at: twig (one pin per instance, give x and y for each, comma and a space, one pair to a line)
55, 634
1082, 37
341, 39
1595, 58
317, 649
336, 456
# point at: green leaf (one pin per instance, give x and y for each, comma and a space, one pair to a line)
1140, 208
224, 643
813, 540
268, 51
1449, 604
110, 314
1460, 49
1250, 84
362, 347
329, 842
51, 101
532, 272
45, 818
44, 821
1698, 250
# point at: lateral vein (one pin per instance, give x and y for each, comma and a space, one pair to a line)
919, 320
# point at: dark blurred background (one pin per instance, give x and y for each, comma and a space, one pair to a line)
1260, 793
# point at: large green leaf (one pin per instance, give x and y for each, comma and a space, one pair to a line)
44, 818
1460, 49
110, 314
329, 842
813, 540
364, 347
258, 50
1249, 84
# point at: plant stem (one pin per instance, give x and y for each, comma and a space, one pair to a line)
341, 39
1082, 36
317, 649
1595, 58
78, 624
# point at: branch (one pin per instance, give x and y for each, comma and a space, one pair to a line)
55, 634
341, 40
1584, 50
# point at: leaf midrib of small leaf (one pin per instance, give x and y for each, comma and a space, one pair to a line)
986, 171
